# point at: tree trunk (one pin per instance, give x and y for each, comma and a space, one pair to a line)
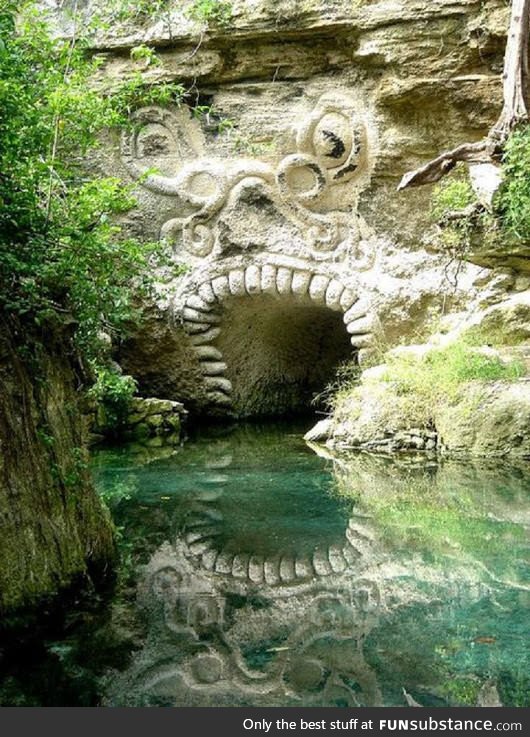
515, 76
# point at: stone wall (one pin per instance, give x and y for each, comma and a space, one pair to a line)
150, 422
276, 185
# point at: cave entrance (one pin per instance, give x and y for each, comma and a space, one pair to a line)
280, 353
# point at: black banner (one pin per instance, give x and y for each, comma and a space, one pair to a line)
241, 722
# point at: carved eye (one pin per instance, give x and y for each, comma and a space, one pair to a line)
154, 140
333, 140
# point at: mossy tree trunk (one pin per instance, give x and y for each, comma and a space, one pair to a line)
53, 527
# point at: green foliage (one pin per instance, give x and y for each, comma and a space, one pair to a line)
451, 195
461, 690
144, 54
443, 370
346, 379
62, 254
135, 92
513, 200
126, 11
510, 216
214, 12
113, 393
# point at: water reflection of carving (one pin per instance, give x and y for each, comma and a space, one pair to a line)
221, 636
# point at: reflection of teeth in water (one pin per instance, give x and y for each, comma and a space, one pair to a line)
202, 530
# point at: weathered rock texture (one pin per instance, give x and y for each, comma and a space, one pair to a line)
151, 422
52, 525
480, 417
280, 195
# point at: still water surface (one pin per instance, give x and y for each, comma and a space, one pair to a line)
257, 572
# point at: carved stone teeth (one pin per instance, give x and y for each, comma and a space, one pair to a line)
222, 400
300, 283
268, 280
360, 531
240, 566
256, 569
284, 279
236, 281
208, 353
195, 536
321, 563
317, 288
347, 298
207, 337
361, 341
353, 539
359, 308
220, 287
361, 326
199, 547
253, 280
210, 368
351, 554
191, 315
271, 571
287, 573
223, 564
206, 293
210, 513
193, 328
333, 294
208, 495
197, 303
336, 559
218, 383
197, 519
208, 559
303, 568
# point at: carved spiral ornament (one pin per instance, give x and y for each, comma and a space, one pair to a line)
332, 149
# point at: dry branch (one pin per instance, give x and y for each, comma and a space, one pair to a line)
435, 169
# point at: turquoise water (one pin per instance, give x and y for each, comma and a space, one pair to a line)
257, 572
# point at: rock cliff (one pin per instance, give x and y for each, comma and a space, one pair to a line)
53, 528
274, 180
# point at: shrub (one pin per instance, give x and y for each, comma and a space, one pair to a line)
62, 255
113, 393
513, 199
451, 195
217, 12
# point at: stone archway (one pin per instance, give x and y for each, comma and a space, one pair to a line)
268, 338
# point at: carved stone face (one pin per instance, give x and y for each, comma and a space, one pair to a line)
267, 305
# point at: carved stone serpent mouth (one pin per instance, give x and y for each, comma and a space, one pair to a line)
302, 297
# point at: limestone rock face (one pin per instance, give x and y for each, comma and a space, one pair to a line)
53, 527
492, 420
483, 418
276, 180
